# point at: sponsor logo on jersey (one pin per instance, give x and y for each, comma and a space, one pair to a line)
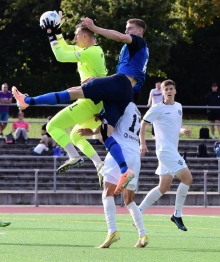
167, 113
78, 53
180, 112
131, 137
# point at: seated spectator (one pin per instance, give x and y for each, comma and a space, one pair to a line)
217, 148
49, 141
40, 148
20, 128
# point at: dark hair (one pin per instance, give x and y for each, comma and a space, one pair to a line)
167, 83
5, 84
82, 27
138, 22
214, 84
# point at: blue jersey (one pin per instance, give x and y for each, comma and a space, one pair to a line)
133, 60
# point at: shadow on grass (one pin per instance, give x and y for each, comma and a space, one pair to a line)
43, 245
195, 250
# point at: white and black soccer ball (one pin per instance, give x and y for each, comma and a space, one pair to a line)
52, 16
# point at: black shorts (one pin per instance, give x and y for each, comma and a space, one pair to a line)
213, 115
115, 92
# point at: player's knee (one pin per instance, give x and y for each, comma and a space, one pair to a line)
187, 180
164, 188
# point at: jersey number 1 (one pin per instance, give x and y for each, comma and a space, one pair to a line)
131, 128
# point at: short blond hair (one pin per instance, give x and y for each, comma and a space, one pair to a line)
138, 22
168, 82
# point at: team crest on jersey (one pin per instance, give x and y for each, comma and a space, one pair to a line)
180, 162
180, 112
78, 53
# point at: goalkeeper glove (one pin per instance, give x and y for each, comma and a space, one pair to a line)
50, 29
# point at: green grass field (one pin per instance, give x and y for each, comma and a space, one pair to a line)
67, 238
35, 128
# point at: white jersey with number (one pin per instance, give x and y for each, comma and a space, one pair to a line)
167, 122
126, 131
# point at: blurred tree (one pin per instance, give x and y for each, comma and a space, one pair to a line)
182, 35
161, 35
24, 47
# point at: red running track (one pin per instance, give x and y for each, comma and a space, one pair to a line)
163, 210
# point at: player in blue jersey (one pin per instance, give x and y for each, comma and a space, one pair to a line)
115, 91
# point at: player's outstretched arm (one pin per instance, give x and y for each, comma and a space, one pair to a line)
111, 34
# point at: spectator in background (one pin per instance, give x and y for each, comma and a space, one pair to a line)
48, 140
40, 148
155, 97
20, 128
213, 99
5, 99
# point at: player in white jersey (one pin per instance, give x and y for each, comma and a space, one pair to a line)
126, 134
167, 120
155, 97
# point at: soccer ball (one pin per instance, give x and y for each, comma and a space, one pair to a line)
52, 16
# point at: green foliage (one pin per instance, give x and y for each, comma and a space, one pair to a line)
182, 35
24, 49
113, 14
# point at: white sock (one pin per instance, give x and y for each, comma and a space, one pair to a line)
96, 159
137, 218
181, 194
150, 199
71, 151
110, 213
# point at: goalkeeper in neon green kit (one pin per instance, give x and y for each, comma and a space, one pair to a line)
91, 63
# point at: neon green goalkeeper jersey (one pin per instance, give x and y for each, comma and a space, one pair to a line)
90, 63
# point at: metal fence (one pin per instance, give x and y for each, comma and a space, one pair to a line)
35, 172
206, 172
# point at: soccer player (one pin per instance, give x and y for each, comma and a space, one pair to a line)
4, 224
126, 134
115, 91
166, 117
91, 63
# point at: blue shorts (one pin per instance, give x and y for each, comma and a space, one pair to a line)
4, 117
115, 92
